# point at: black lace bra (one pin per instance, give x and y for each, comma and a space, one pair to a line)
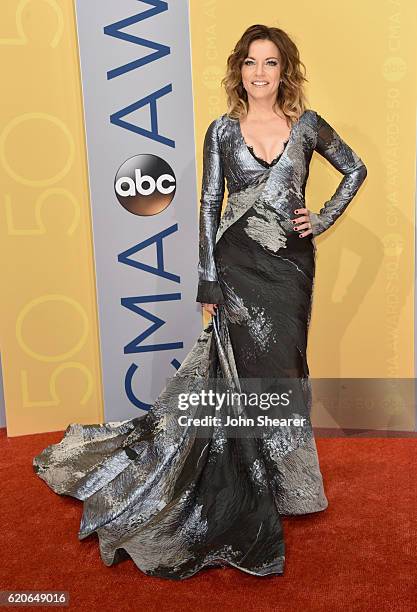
263, 161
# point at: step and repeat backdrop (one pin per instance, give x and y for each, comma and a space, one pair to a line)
104, 109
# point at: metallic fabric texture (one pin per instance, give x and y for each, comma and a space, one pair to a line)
176, 500
226, 158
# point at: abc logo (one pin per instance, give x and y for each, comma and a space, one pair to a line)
145, 184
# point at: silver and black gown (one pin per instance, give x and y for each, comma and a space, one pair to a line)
177, 498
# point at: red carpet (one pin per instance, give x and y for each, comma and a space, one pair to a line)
360, 554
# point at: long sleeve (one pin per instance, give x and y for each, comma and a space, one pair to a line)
331, 146
212, 193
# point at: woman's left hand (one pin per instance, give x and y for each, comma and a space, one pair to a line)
302, 223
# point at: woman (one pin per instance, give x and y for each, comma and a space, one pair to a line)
177, 498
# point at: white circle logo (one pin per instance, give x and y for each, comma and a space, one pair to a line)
145, 184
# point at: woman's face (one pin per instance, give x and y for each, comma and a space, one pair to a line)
261, 70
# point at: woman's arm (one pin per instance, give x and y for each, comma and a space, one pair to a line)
331, 146
212, 192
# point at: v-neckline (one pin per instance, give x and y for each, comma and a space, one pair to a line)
285, 143
262, 161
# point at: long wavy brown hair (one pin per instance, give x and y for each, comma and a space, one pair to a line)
291, 98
